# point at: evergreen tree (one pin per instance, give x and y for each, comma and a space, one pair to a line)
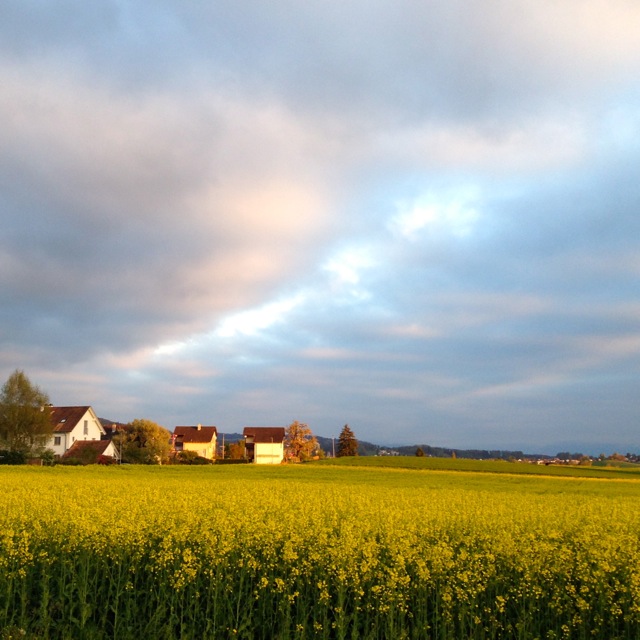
347, 443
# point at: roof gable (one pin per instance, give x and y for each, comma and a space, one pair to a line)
82, 447
197, 434
65, 419
264, 434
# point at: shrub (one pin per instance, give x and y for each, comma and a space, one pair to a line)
190, 457
12, 457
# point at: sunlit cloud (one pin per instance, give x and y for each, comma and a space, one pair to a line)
253, 321
456, 217
170, 348
346, 271
346, 267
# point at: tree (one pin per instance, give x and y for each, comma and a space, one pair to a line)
25, 418
419, 452
190, 457
347, 443
144, 442
299, 441
235, 450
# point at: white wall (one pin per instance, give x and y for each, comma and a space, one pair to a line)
62, 447
94, 432
268, 453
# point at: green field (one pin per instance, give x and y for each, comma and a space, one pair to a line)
627, 470
319, 551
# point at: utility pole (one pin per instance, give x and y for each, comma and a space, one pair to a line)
115, 429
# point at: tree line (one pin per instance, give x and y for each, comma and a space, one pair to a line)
26, 429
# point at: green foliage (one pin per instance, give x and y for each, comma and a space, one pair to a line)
71, 462
144, 442
419, 452
347, 443
25, 422
299, 442
235, 450
48, 457
474, 454
190, 457
12, 457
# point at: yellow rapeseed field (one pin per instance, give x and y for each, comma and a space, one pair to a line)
315, 552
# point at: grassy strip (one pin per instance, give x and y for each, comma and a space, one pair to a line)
484, 466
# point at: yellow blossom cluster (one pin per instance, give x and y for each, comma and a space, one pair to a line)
316, 552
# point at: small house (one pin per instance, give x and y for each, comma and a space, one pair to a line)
202, 440
264, 445
71, 425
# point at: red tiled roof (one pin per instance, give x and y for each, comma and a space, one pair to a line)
264, 434
80, 446
195, 435
66, 418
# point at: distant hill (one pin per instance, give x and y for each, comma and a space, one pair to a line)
364, 448
371, 449
111, 427
229, 438
476, 454
326, 444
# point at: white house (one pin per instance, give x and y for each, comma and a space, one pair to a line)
264, 445
73, 424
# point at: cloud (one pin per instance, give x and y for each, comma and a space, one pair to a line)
418, 218
167, 210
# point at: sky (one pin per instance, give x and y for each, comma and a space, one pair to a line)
420, 218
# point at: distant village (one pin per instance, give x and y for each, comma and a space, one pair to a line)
80, 437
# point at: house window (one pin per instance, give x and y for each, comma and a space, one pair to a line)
57, 441
86, 427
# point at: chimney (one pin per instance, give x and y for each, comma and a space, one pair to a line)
199, 426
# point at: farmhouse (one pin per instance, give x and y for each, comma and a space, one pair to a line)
202, 440
71, 425
264, 445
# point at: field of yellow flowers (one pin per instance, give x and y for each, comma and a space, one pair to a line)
312, 551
